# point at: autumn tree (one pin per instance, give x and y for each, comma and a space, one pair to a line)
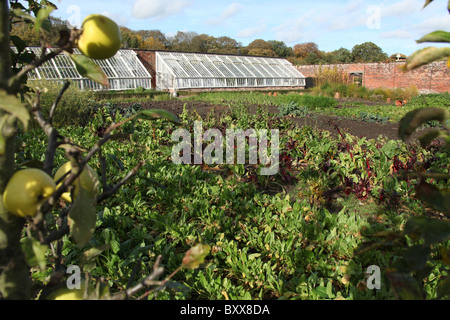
182, 41
152, 39
130, 39
302, 50
225, 45
260, 47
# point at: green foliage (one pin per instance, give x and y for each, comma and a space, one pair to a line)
264, 244
425, 239
292, 108
73, 109
368, 52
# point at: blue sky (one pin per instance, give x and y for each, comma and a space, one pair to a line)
394, 25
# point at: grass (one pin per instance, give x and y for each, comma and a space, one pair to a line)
288, 236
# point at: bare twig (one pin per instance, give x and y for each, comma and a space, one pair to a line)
148, 281
113, 189
103, 168
58, 98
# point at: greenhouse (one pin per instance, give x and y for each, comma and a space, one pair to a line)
172, 71
177, 70
124, 71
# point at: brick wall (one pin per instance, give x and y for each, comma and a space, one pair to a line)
148, 59
434, 77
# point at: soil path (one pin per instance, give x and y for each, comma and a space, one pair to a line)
370, 130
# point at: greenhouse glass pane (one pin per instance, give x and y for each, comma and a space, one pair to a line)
212, 68
66, 67
120, 67
231, 67
48, 71
107, 68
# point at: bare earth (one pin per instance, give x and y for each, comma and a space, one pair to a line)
370, 130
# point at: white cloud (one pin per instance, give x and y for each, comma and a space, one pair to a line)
157, 9
250, 32
396, 34
440, 22
119, 19
295, 29
230, 11
402, 8
353, 6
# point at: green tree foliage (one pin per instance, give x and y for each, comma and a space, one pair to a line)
260, 47
368, 52
342, 55
280, 48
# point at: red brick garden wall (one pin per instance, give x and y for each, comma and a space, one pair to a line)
148, 59
434, 77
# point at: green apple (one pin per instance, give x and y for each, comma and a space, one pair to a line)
26, 191
88, 179
100, 37
78, 294
67, 294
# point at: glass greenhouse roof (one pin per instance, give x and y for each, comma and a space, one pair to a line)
177, 70
124, 71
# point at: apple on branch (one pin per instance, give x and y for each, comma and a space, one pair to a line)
26, 191
100, 37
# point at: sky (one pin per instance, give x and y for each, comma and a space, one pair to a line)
393, 25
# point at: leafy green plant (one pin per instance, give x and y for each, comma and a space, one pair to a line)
74, 106
292, 108
424, 239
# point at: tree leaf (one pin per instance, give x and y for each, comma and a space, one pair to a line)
425, 56
18, 43
195, 256
21, 13
415, 118
35, 253
87, 68
42, 16
431, 230
436, 36
443, 288
427, 2
82, 216
416, 257
93, 253
153, 114
426, 138
405, 287
434, 197
14, 106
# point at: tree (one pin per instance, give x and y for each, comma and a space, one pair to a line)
225, 45
280, 48
342, 55
15, 114
202, 43
260, 47
130, 39
368, 52
302, 50
153, 39
152, 44
182, 41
